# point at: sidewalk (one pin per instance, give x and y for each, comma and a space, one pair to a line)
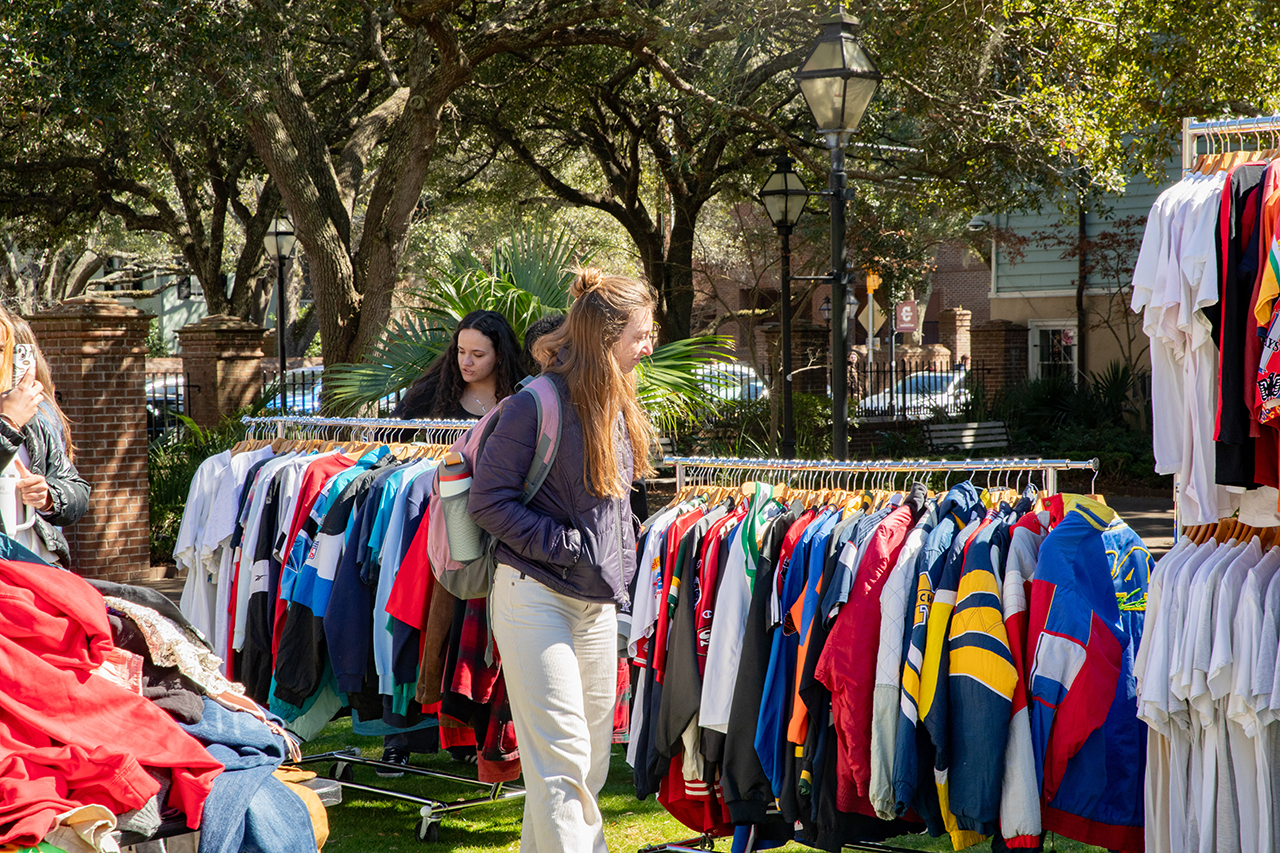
1150, 518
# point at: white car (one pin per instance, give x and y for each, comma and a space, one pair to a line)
919, 396
731, 381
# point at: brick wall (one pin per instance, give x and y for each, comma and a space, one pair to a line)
222, 356
962, 280
1000, 346
95, 352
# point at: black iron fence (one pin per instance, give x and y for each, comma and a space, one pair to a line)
167, 397
301, 391
908, 390
298, 393
913, 390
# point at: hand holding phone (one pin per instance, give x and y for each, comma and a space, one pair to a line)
24, 359
20, 403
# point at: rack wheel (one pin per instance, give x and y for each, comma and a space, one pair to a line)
342, 772
427, 831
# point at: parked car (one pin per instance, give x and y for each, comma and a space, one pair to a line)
731, 381
303, 387
165, 400
301, 392
920, 396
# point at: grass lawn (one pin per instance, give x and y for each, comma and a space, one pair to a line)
365, 822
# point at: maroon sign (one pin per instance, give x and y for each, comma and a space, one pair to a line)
906, 317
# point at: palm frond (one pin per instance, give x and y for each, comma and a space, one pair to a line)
393, 363
668, 385
538, 259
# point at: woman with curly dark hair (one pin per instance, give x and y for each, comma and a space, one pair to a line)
480, 367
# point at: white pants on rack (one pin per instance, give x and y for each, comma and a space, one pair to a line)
559, 659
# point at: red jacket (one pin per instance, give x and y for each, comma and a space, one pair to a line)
847, 665
68, 737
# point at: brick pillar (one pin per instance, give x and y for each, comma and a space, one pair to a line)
999, 354
953, 331
222, 357
95, 352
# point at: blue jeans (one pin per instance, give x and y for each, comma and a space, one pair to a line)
248, 809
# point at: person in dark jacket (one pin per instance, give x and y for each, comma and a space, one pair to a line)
35, 444
480, 367
565, 559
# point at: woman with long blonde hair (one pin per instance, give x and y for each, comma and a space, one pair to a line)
565, 559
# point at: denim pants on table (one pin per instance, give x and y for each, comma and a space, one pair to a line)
248, 809
559, 659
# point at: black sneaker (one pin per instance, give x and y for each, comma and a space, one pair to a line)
393, 755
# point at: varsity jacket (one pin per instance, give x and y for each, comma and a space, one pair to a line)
981, 679
1019, 796
913, 751
1089, 747
935, 693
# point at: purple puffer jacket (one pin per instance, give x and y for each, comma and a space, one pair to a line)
575, 543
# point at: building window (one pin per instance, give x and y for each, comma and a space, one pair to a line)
1052, 349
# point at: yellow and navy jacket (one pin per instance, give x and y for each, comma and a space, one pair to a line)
914, 751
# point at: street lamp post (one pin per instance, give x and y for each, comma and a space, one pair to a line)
838, 81
784, 195
280, 242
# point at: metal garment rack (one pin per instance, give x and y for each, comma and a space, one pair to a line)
1193, 131
687, 467
1048, 467
430, 811
357, 428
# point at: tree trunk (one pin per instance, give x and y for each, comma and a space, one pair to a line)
678, 292
1082, 310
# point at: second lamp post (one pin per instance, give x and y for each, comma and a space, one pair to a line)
838, 81
784, 195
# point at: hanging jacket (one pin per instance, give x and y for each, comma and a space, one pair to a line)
848, 660
913, 752
747, 789
935, 695
1019, 796
1089, 747
982, 680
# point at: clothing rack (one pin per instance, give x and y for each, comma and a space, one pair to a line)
1215, 129
430, 810
1193, 131
366, 428
1048, 467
